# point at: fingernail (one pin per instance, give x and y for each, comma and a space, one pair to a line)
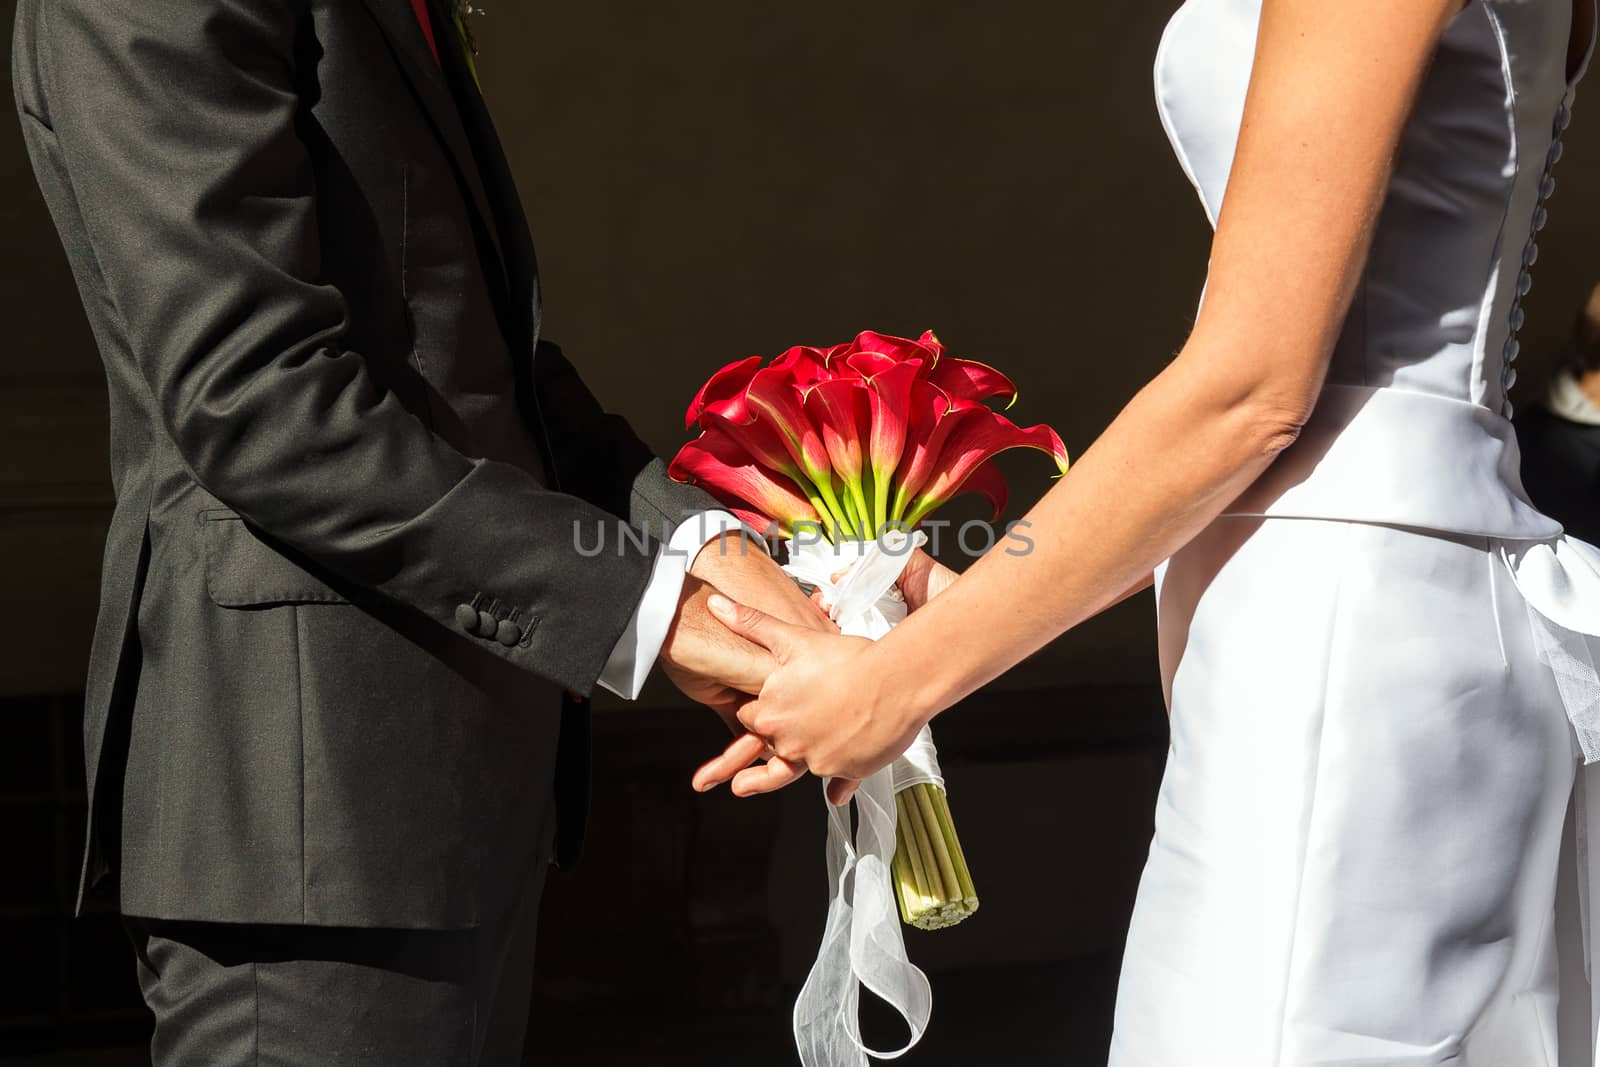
720, 605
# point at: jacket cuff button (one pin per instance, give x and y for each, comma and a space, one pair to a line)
467, 617
508, 634
487, 624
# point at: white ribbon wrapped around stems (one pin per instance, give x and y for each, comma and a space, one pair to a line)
861, 942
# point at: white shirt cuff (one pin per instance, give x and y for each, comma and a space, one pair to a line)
640, 644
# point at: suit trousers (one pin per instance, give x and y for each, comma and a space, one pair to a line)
230, 995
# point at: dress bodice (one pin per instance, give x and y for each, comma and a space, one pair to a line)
1412, 427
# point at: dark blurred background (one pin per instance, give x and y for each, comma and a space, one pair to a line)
707, 181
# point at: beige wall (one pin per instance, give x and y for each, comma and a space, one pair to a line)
709, 180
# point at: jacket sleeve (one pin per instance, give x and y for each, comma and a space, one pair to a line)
602, 460
177, 124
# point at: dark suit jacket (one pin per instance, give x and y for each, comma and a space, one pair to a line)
342, 593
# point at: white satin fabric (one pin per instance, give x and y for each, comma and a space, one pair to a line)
1357, 834
1381, 662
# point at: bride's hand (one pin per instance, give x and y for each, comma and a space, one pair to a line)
923, 579
822, 706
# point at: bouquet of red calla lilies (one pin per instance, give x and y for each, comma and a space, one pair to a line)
855, 439
855, 445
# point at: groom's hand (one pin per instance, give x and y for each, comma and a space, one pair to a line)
745, 573
707, 661
716, 667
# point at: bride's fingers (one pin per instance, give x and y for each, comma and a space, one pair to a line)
774, 635
740, 753
767, 777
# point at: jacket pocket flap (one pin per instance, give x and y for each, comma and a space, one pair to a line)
243, 571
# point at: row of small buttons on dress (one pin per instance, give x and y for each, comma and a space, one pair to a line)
1530, 256
492, 622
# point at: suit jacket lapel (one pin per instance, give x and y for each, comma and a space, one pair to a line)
400, 26
516, 245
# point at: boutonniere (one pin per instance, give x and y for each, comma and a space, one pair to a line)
460, 12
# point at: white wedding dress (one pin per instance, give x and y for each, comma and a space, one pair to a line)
1375, 662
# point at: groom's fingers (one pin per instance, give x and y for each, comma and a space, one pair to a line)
739, 764
768, 777
840, 790
771, 634
740, 753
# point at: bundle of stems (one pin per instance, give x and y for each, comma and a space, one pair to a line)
931, 878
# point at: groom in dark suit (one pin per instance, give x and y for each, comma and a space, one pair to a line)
352, 570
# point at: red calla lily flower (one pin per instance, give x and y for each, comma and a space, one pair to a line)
856, 437
968, 379
988, 482
724, 469
841, 409
889, 397
724, 388
979, 437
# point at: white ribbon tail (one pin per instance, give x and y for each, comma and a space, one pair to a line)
862, 944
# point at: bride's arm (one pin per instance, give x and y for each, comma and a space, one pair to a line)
1332, 87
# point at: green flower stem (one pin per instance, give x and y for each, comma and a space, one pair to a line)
920, 511
941, 849
880, 498
924, 849
932, 882
919, 894
898, 511
848, 504
941, 808
858, 504
830, 523
825, 488
808, 489
865, 492
905, 884
464, 36
897, 868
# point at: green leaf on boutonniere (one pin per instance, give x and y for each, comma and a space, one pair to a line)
459, 12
